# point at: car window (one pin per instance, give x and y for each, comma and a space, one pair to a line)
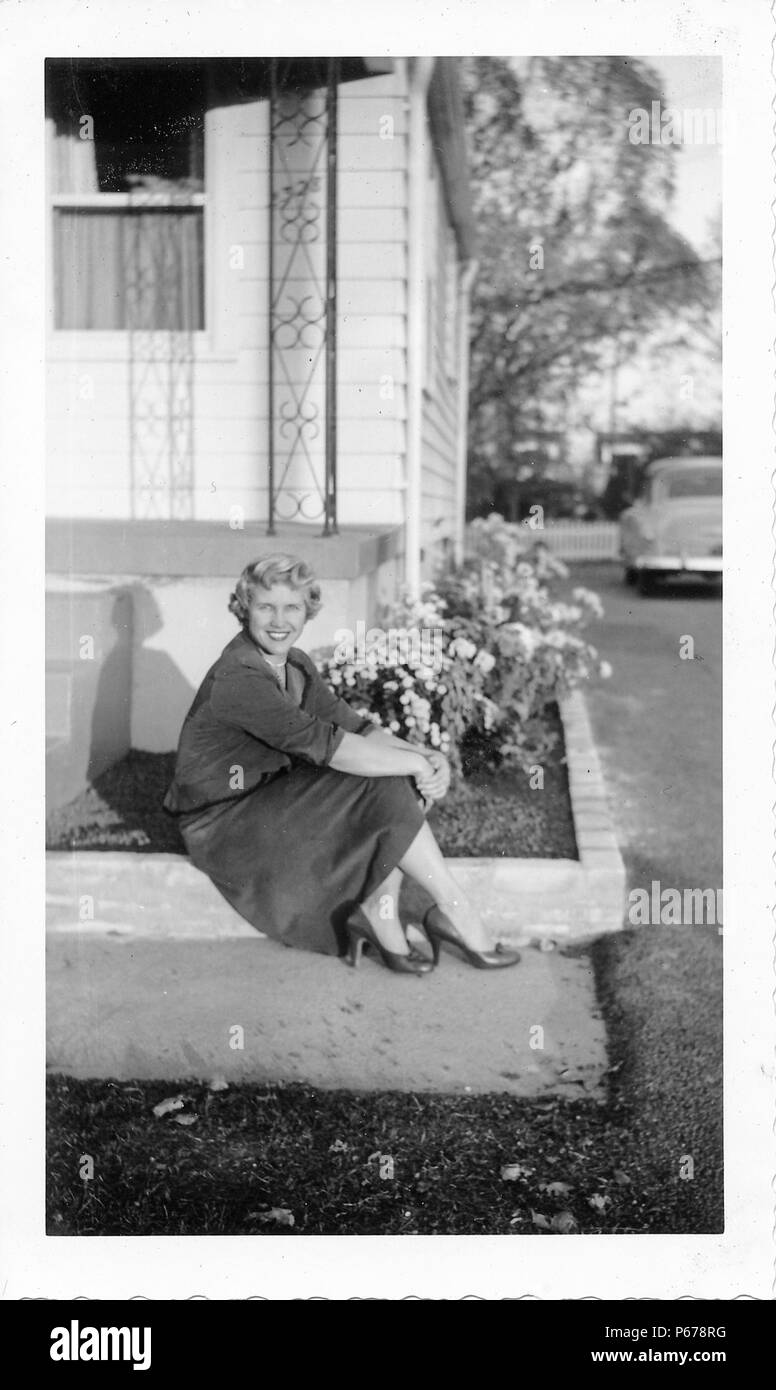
694, 482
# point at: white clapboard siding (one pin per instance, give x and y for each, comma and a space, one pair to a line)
354, 331
362, 367
354, 225
354, 296
365, 188
65, 499
89, 461
356, 507
373, 439
377, 297
362, 507
361, 104
582, 540
357, 152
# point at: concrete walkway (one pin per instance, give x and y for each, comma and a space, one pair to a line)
165, 981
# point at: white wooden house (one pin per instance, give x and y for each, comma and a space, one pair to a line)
258, 277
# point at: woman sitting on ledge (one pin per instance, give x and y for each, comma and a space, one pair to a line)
303, 814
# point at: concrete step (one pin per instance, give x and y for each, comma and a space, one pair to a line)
253, 1010
152, 974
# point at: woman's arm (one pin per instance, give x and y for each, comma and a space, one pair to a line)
378, 757
435, 781
385, 736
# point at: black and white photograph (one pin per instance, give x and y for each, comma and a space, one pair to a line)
396, 552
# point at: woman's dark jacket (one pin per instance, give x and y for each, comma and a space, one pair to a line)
243, 729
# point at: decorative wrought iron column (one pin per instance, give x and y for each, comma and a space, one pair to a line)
302, 345
161, 360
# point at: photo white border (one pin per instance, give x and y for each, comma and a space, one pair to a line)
739, 1263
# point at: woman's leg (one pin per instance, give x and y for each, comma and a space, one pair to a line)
425, 863
382, 909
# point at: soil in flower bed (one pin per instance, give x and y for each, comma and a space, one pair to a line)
487, 813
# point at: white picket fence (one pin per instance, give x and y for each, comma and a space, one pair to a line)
582, 540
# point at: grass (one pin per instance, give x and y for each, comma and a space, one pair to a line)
488, 813
255, 1152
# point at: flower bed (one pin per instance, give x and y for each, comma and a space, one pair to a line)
477, 667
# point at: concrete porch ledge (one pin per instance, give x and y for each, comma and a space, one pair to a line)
163, 896
93, 546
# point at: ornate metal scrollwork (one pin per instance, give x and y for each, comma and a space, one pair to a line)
161, 358
302, 329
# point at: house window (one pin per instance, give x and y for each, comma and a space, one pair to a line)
126, 170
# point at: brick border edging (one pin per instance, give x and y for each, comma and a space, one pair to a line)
522, 899
571, 899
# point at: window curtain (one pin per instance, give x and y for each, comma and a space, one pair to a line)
129, 268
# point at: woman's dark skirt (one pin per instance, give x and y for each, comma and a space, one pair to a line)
295, 855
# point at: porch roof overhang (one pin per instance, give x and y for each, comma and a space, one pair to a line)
297, 72
236, 80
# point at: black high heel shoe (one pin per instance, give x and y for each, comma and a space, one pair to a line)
441, 929
361, 932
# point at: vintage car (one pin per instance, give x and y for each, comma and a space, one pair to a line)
675, 523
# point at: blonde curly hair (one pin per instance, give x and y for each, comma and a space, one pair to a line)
275, 569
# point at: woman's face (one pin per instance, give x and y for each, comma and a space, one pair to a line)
276, 618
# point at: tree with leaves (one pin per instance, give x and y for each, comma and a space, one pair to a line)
578, 262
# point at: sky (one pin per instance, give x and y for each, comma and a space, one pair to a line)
692, 83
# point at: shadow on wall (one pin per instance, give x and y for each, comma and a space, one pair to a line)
88, 626
111, 695
161, 693
97, 663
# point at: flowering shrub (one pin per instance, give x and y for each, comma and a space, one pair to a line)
509, 649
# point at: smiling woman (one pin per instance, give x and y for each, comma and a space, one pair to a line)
303, 813
273, 599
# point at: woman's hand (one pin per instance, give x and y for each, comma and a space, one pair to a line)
434, 784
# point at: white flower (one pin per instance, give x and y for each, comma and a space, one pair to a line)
394, 726
605, 670
589, 599
490, 713
528, 636
461, 646
485, 660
